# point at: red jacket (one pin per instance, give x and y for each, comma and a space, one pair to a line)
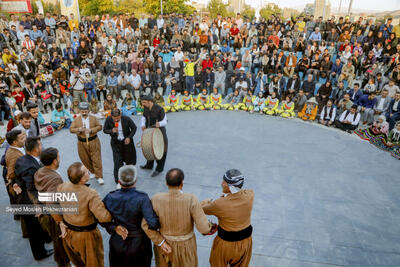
207, 64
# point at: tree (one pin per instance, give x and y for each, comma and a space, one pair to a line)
169, 6
216, 7
270, 9
248, 11
127, 6
95, 7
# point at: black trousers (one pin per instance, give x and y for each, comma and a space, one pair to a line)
160, 163
345, 127
133, 251
122, 154
36, 236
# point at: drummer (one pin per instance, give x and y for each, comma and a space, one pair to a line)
122, 129
154, 116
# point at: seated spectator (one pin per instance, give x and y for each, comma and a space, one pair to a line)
259, 102
299, 100
232, 100
287, 108
128, 106
309, 111
366, 108
308, 86
378, 128
271, 104
323, 94
347, 73
393, 113
355, 93
13, 121
349, 120
328, 114
109, 104
60, 118
344, 104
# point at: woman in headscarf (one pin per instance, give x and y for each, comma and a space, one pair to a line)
379, 128
128, 106
109, 104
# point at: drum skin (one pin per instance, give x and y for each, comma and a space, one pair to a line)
152, 144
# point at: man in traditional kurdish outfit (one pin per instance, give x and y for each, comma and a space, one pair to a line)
154, 116
175, 241
172, 102
203, 101
187, 101
47, 179
86, 128
215, 100
233, 245
81, 237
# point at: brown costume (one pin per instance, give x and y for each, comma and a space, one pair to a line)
83, 243
177, 212
233, 212
89, 151
47, 180
12, 155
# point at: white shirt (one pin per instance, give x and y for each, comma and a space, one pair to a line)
120, 133
350, 117
135, 80
162, 123
21, 149
328, 111
380, 105
85, 122
78, 85
178, 56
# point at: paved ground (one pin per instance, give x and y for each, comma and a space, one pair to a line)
323, 197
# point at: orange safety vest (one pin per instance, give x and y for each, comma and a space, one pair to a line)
215, 100
186, 100
203, 99
173, 99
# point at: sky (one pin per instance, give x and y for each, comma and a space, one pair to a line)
378, 5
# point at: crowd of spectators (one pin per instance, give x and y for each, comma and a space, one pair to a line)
338, 72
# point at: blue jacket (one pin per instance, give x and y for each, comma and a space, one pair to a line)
128, 207
365, 102
356, 97
390, 109
337, 69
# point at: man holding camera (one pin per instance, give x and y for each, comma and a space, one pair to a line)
77, 85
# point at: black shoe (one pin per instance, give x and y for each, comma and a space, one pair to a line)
145, 167
155, 173
47, 254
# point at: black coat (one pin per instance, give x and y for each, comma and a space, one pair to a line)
25, 168
128, 128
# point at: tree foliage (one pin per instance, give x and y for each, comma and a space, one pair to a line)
129, 6
248, 11
94, 7
270, 9
216, 7
169, 6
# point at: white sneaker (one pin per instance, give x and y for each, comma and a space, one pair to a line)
100, 181
118, 186
92, 176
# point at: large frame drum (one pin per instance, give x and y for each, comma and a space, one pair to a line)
152, 144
